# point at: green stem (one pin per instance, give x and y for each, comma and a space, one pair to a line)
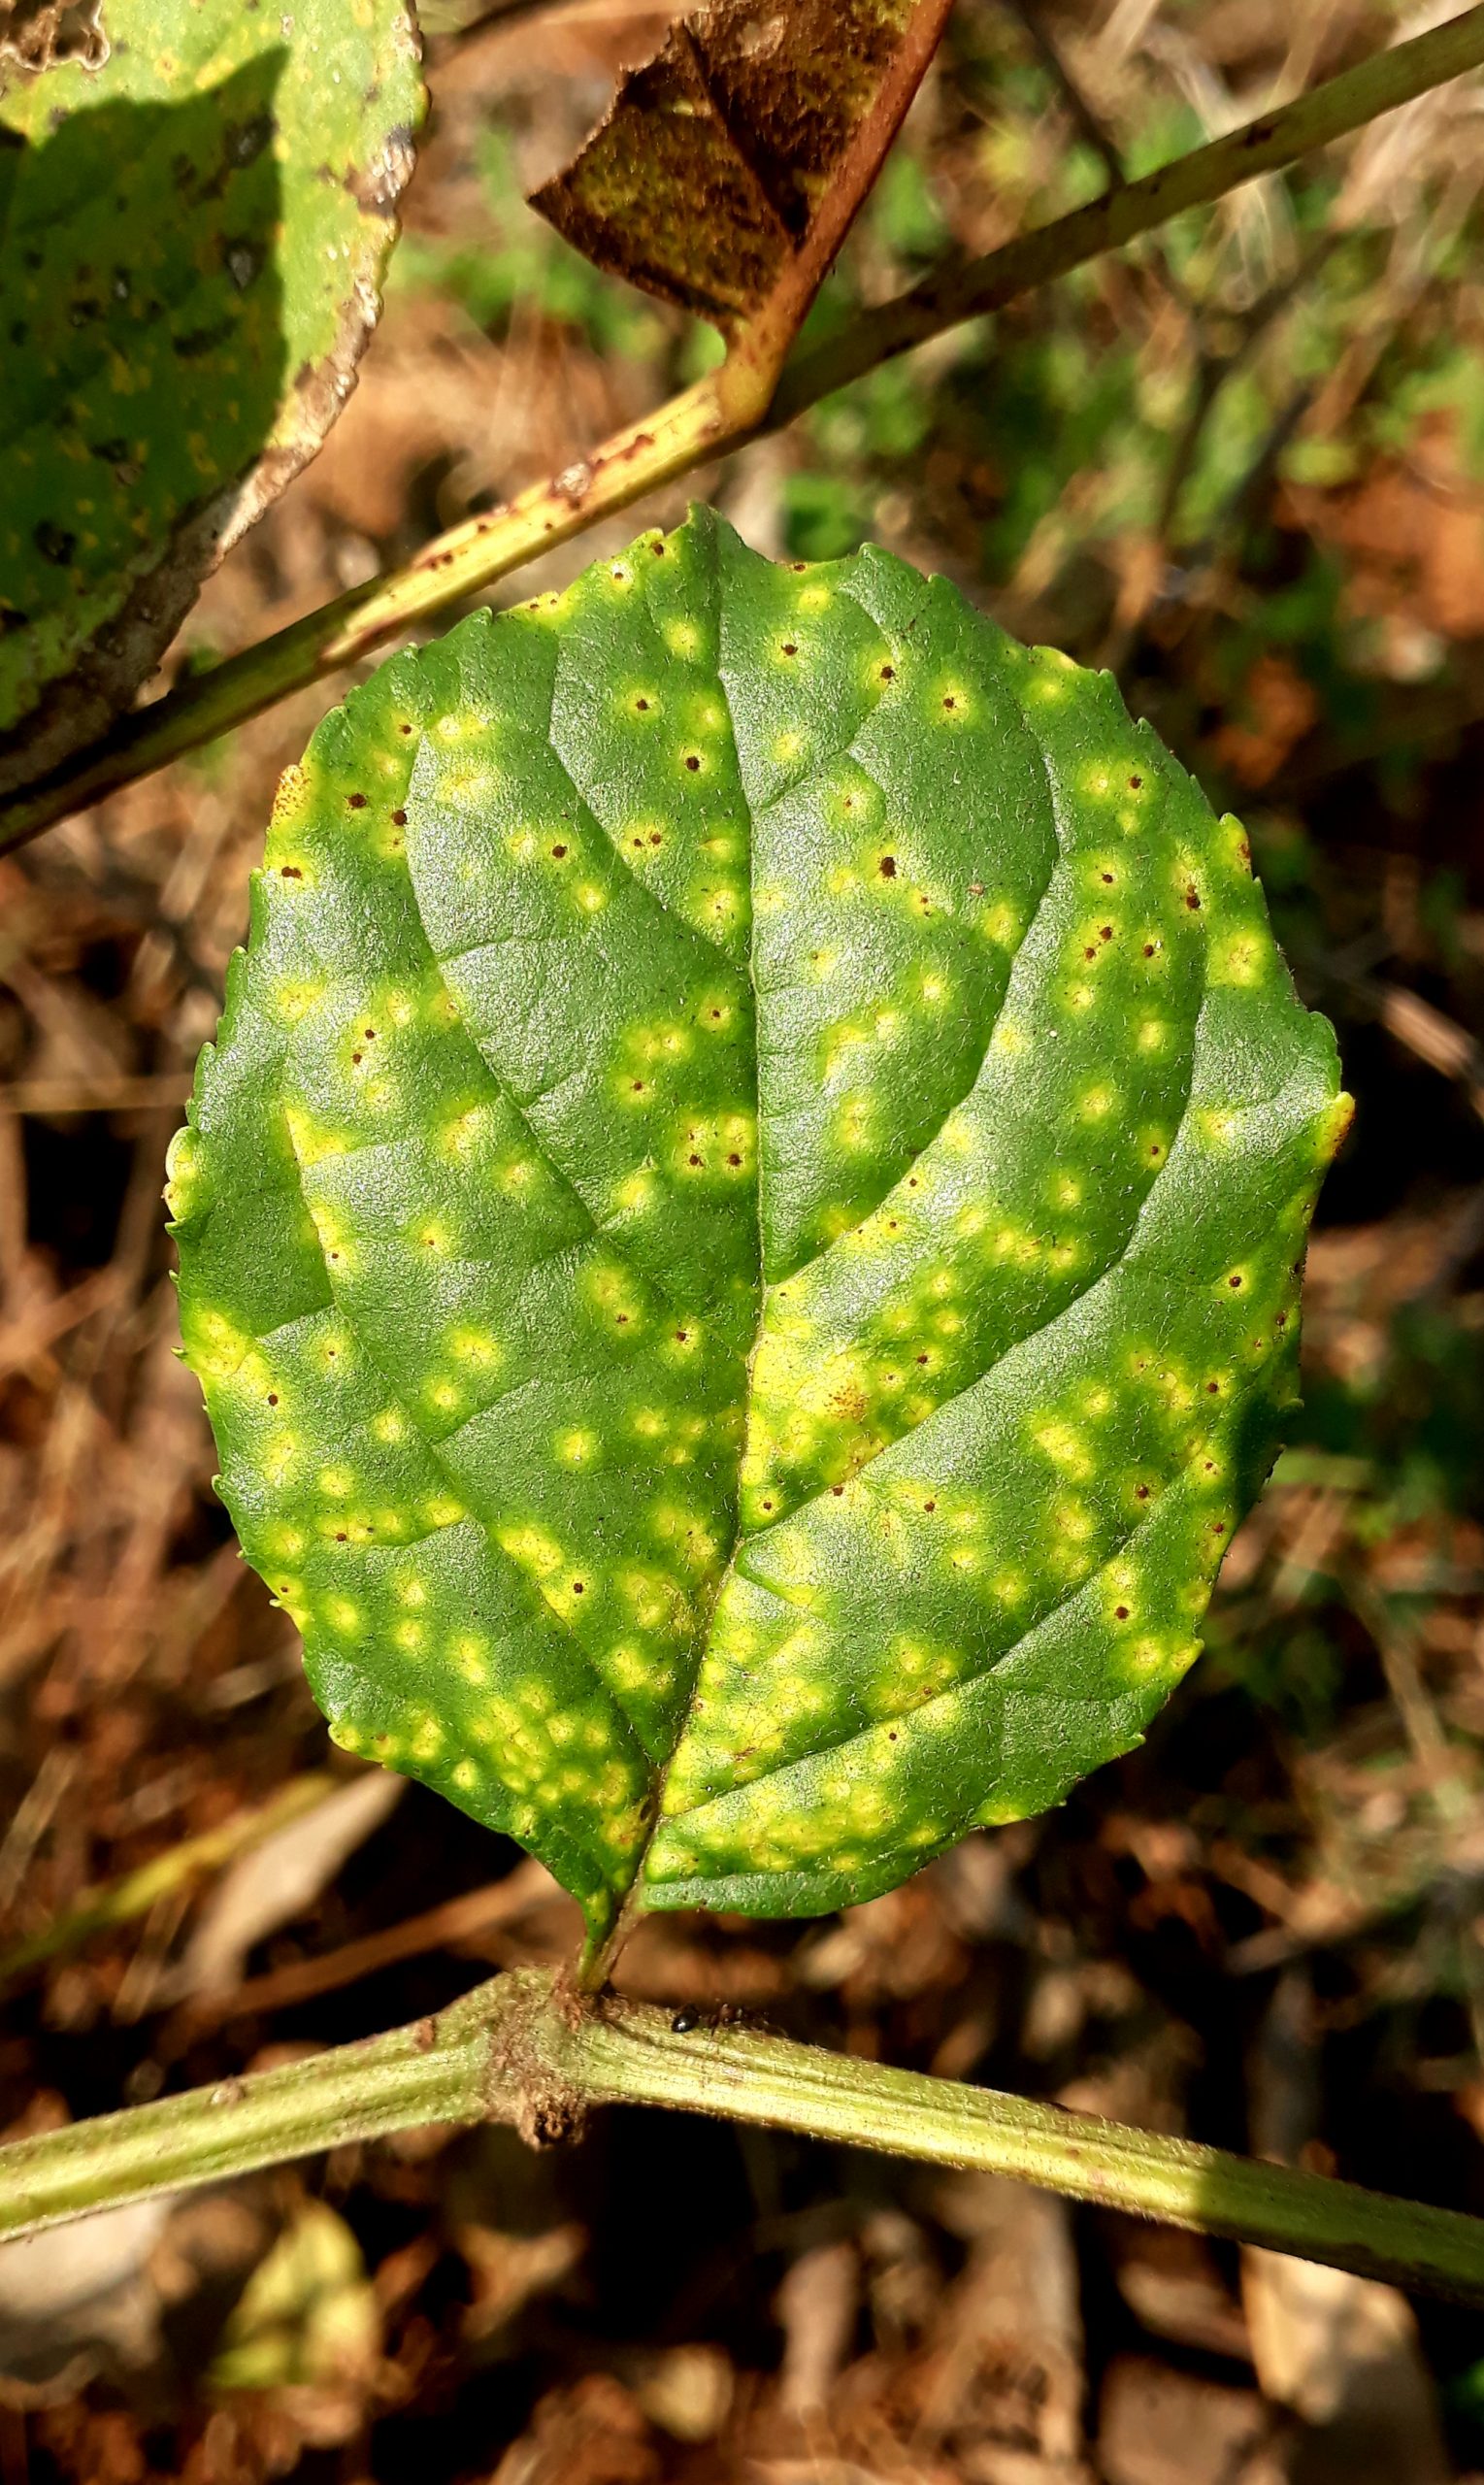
630, 2054
1271, 144
720, 415
521, 2050
435, 2071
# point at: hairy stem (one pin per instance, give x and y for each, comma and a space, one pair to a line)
721, 414
520, 2050
439, 2071
628, 2053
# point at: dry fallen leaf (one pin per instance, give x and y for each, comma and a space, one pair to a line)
278, 1880
705, 175
1342, 2353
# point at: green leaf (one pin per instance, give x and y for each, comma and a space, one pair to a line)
742, 1233
307, 2317
191, 238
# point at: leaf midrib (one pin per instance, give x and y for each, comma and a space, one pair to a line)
744, 1539
627, 1894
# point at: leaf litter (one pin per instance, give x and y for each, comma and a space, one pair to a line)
1098, 1956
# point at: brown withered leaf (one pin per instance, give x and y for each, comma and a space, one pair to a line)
703, 182
38, 33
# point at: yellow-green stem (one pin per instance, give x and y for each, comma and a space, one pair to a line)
523, 2050
722, 412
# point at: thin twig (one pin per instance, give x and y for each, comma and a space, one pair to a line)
469, 1918
136, 1893
1028, 15
722, 412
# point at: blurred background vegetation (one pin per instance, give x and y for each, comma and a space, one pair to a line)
1242, 465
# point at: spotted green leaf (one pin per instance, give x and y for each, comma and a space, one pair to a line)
191, 237
741, 1233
